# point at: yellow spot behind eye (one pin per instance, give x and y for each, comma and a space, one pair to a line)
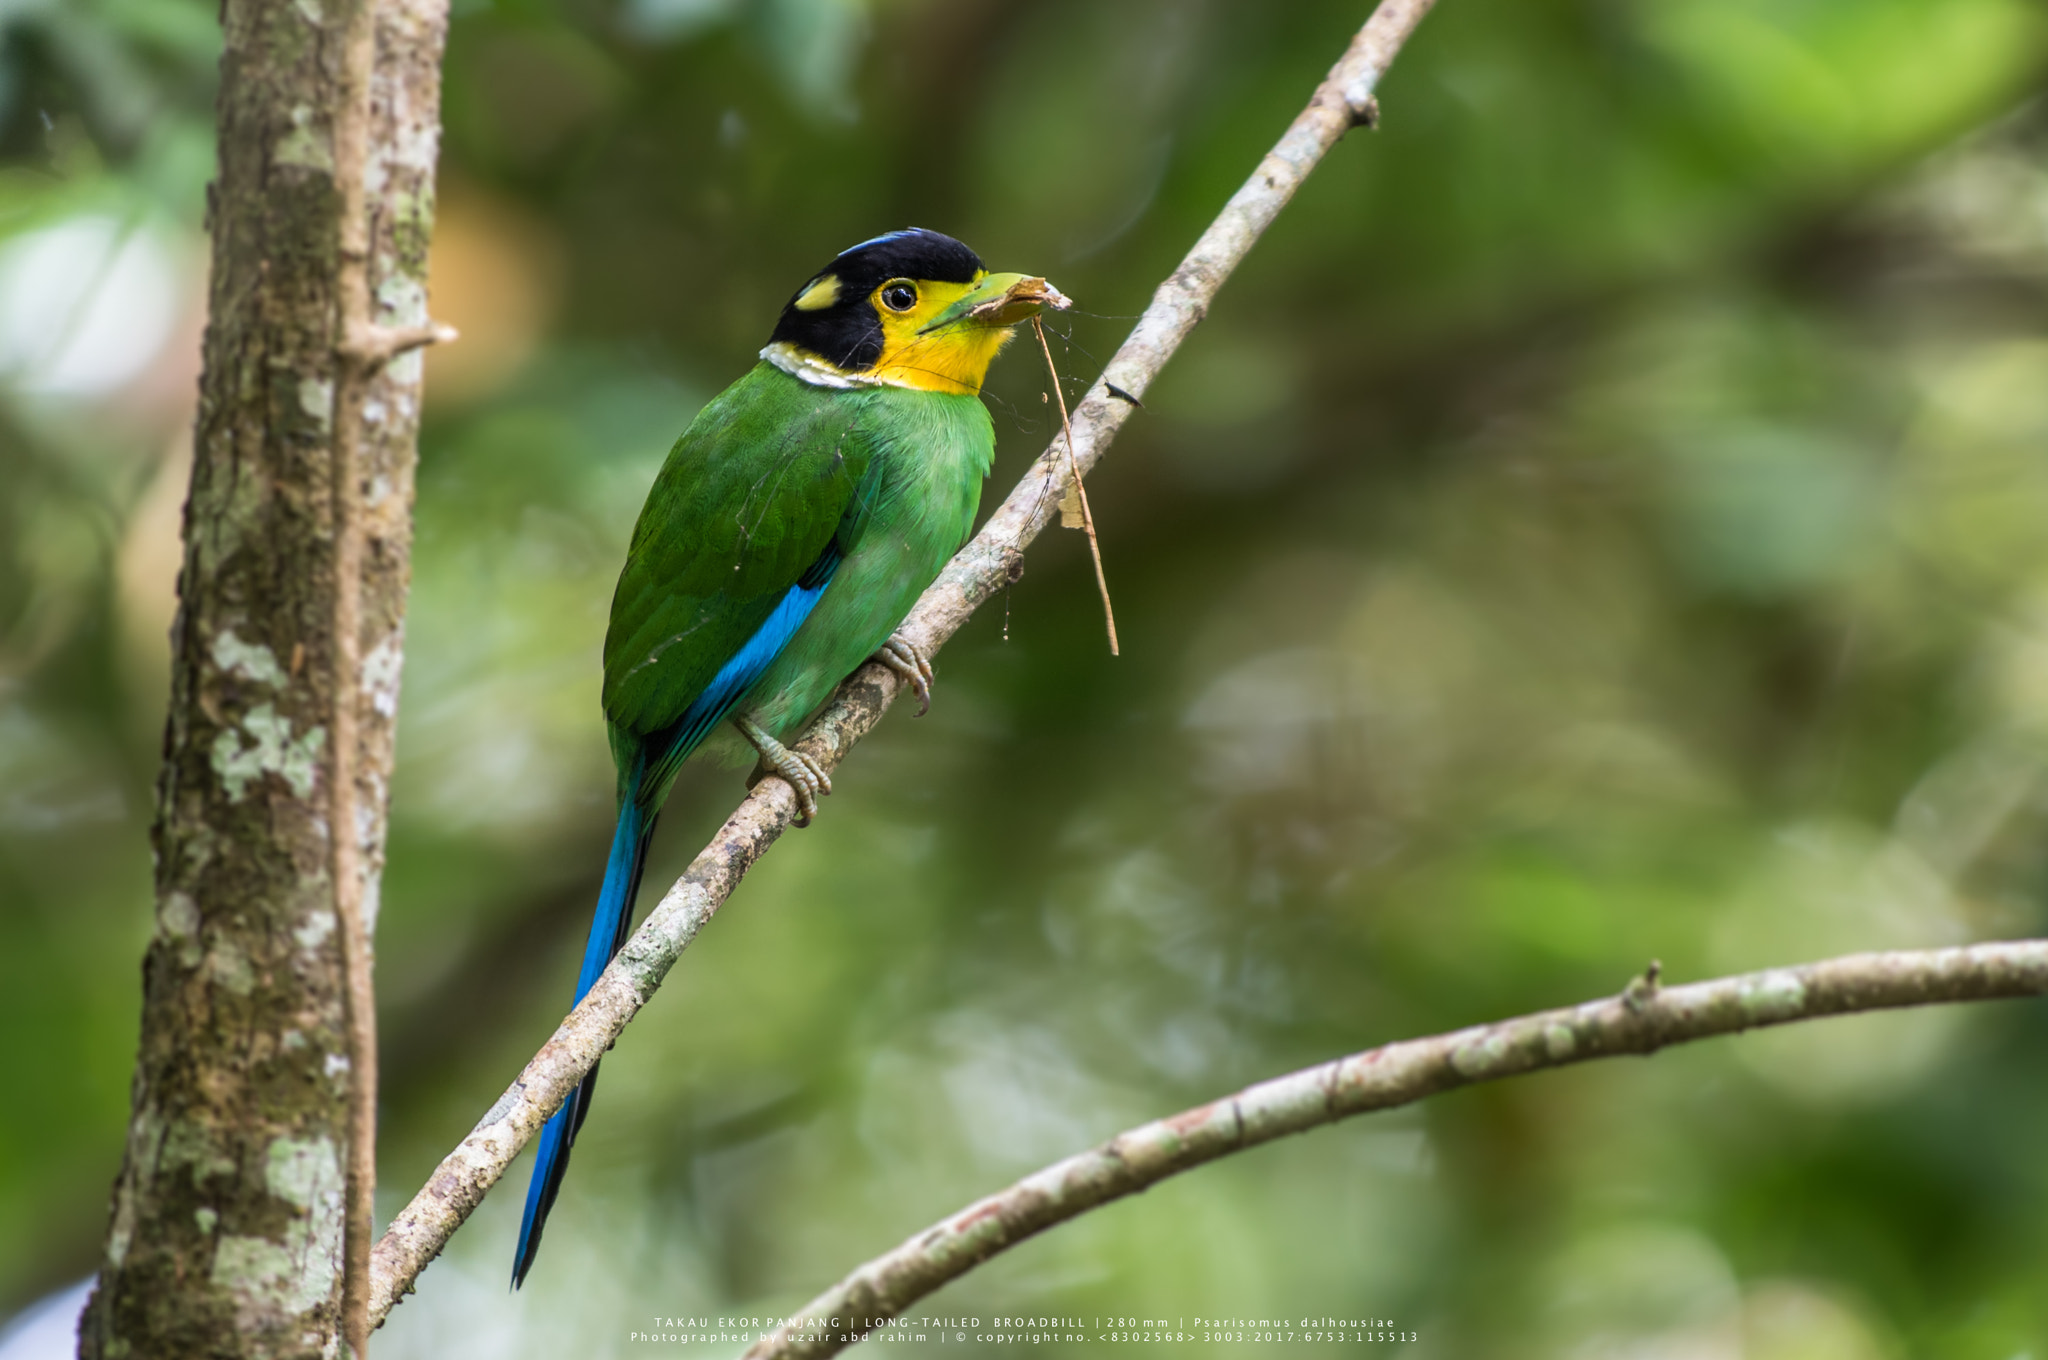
821, 294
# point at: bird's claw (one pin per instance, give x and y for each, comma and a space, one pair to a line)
805, 776
911, 665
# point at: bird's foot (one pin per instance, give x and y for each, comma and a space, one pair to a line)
804, 775
911, 665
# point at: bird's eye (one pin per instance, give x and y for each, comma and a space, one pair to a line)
899, 296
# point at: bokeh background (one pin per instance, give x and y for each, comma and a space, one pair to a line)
1607, 518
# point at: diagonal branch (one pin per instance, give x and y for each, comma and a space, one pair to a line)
1643, 1019
990, 561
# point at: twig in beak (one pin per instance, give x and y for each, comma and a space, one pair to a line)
1080, 491
1023, 293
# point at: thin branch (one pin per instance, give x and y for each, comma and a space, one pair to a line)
362, 347
1643, 1019
992, 560
352, 373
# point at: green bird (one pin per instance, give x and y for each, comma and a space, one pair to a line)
793, 526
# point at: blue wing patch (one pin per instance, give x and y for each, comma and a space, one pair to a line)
669, 748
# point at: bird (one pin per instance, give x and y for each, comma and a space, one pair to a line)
793, 525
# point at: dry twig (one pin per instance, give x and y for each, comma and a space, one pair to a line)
1086, 516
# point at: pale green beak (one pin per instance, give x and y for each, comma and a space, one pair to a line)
1000, 300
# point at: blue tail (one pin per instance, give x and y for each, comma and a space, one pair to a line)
607, 934
646, 779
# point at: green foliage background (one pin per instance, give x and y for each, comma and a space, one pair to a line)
1603, 520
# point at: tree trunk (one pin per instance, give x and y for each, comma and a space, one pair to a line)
227, 1222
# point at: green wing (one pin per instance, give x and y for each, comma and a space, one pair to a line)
761, 496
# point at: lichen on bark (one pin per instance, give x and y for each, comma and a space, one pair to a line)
226, 1225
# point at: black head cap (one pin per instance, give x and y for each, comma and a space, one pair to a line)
844, 330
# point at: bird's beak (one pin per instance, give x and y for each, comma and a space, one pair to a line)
1000, 300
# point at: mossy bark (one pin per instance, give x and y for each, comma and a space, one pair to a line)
226, 1230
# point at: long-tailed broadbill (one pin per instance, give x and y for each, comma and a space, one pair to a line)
794, 524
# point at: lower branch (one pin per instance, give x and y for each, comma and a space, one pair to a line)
1643, 1019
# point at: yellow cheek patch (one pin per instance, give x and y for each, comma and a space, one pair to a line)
955, 359
821, 294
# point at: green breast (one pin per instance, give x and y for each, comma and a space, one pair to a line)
933, 450
751, 495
